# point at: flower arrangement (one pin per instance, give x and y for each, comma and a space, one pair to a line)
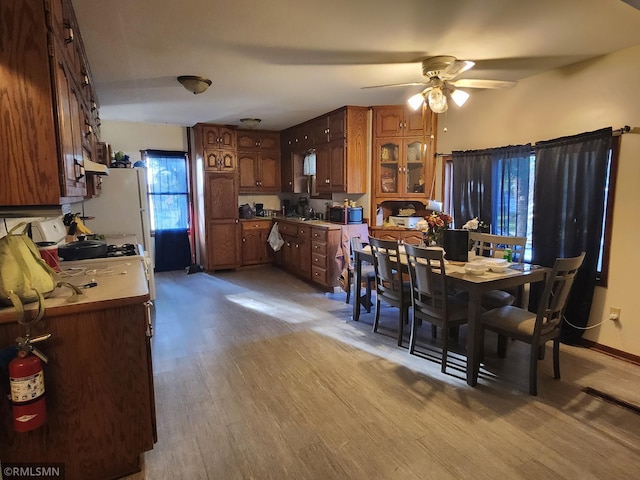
437, 223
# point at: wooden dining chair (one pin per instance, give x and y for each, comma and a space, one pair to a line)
390, 286
494, 246
430, 299
536, 328
368, 275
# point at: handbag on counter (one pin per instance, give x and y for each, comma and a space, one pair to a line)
24, 276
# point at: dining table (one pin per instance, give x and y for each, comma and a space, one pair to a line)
516, 275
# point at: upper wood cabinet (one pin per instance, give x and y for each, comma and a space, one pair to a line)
258, 140
398, 121
52, 106
218, 146
402, 154
340, 141
259, 161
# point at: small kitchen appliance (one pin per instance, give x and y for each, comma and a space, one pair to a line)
402, 221
345, 215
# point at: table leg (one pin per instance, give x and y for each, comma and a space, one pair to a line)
357, 282
474, 348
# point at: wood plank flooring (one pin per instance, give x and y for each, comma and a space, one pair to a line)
261, 376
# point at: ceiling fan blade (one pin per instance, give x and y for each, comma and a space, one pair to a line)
456, 68
398, 85
480, 83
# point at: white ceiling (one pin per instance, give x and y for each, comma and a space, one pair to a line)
286, 61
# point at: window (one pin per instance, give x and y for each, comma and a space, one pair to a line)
168, 189
512, 201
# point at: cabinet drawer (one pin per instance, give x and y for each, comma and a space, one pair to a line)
319, 234
319, 274
318, 260
304, 231
318, 247
256, 225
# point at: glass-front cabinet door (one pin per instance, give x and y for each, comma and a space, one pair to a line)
414, 171
389, 170
400, 167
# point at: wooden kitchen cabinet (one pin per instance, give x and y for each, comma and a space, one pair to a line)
340, 142
99, 383
216, 184
402, 235
218, 145
222, 229
311, 251
259, 161
304, 242
51, 103
401, 169
398, 121
255, 249
403, 156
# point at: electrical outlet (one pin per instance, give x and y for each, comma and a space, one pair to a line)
614, 314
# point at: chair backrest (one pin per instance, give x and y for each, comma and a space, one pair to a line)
488, 245
386, 262
428, 280
557, 288
356, 244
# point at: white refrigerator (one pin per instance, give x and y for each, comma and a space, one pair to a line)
122, 209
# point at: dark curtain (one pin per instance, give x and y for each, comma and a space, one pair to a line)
173, 250
569, 204
471, 186
511, 174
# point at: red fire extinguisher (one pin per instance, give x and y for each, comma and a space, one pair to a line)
26, 378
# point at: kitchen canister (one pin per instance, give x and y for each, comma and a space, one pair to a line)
49, 253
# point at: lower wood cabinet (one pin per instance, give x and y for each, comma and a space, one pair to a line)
255, 249
412, 237
99, 392
311, 251
221, 242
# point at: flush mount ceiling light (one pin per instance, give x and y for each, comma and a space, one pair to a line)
194, 83
250, 122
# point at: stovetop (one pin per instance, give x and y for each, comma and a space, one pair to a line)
125, 250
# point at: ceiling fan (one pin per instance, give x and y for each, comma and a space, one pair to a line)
440, 72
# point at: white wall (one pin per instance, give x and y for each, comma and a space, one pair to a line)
585, 97
130, 137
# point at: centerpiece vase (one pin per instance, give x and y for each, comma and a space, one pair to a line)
434, 237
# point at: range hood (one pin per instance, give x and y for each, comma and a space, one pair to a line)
95, 168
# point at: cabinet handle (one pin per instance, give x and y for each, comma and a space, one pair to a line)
244, 240
79, 170
148, 304
69, 31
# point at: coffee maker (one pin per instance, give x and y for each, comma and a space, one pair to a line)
303, 206
259, 210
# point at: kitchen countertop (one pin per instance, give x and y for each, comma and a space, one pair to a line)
119, 281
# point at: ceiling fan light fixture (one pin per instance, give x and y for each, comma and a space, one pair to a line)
416, 100
194, 83
437, 100
460, 97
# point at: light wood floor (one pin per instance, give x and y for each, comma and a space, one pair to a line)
261, 376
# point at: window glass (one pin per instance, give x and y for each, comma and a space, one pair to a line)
168, 190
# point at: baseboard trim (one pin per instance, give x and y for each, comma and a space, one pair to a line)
628, 357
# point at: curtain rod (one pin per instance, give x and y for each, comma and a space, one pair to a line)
615, 133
